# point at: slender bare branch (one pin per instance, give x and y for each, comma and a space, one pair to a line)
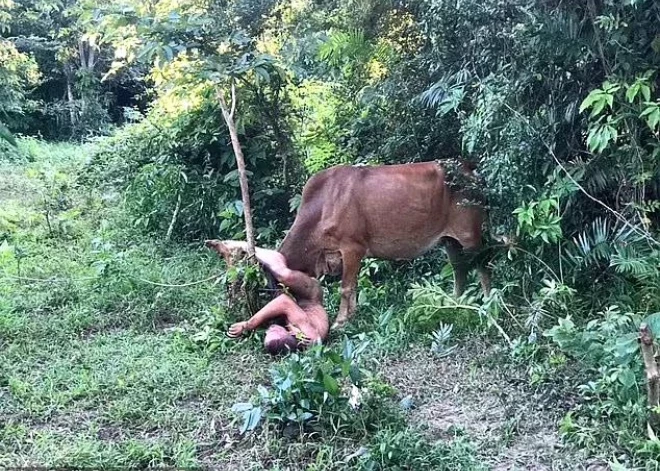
223, 104
240, 163
175, 214
233, 99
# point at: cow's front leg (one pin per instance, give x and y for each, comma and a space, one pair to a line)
351, 259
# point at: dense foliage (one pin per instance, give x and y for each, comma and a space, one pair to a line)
557, 104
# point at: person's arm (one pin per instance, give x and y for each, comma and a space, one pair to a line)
278, 307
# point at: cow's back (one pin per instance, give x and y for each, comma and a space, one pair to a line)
404, 207
393, 211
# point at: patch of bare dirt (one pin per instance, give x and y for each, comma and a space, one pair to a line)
513, 425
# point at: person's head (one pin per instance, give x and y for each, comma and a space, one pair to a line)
279, 340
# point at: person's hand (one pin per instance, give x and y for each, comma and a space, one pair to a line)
304, 341
236, 330
300, 336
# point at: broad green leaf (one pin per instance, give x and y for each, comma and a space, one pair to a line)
627, 378
653, 321
610, 99
330, 384
593, 96
254, 418
653, 119
598, 107
251, 419
646, 92
347, 353
285, 385
632, 91
262, 74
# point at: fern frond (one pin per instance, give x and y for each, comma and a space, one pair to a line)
637, 261
7, 136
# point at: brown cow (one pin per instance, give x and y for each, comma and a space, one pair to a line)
390, 212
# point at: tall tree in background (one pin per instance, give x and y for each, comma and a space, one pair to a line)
208, 43
72, 56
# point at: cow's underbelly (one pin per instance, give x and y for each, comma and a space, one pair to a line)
402, 247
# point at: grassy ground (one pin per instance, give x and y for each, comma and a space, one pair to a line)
101, 367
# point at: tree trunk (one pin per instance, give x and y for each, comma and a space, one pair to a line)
69, 96
175, 214
228, 115
249, 290
652, 373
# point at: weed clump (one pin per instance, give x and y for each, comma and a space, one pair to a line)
321, 391
392, 449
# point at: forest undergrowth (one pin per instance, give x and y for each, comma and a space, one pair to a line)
121, 123
105, 365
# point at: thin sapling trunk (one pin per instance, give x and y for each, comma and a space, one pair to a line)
228, 115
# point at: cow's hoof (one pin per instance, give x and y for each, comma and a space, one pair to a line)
338, 325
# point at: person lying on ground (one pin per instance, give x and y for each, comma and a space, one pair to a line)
297, 321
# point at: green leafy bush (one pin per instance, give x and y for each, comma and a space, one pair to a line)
10, 153
179, 172
613, 407
320, 390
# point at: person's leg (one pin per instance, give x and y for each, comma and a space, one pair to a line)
271, 259
302, 285
223, 250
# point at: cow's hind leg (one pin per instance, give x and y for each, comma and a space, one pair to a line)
459, 264
484, 276
462, 260
351, 260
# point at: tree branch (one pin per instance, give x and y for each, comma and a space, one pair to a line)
233, 99
240, 163
223, 105
174, 217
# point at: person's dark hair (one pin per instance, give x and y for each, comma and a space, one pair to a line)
282, 344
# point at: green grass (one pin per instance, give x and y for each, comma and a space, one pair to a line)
95, 359
122, 392
101, 367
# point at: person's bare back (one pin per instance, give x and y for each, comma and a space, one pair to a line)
305, 320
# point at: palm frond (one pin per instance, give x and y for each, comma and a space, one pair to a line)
7, 136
